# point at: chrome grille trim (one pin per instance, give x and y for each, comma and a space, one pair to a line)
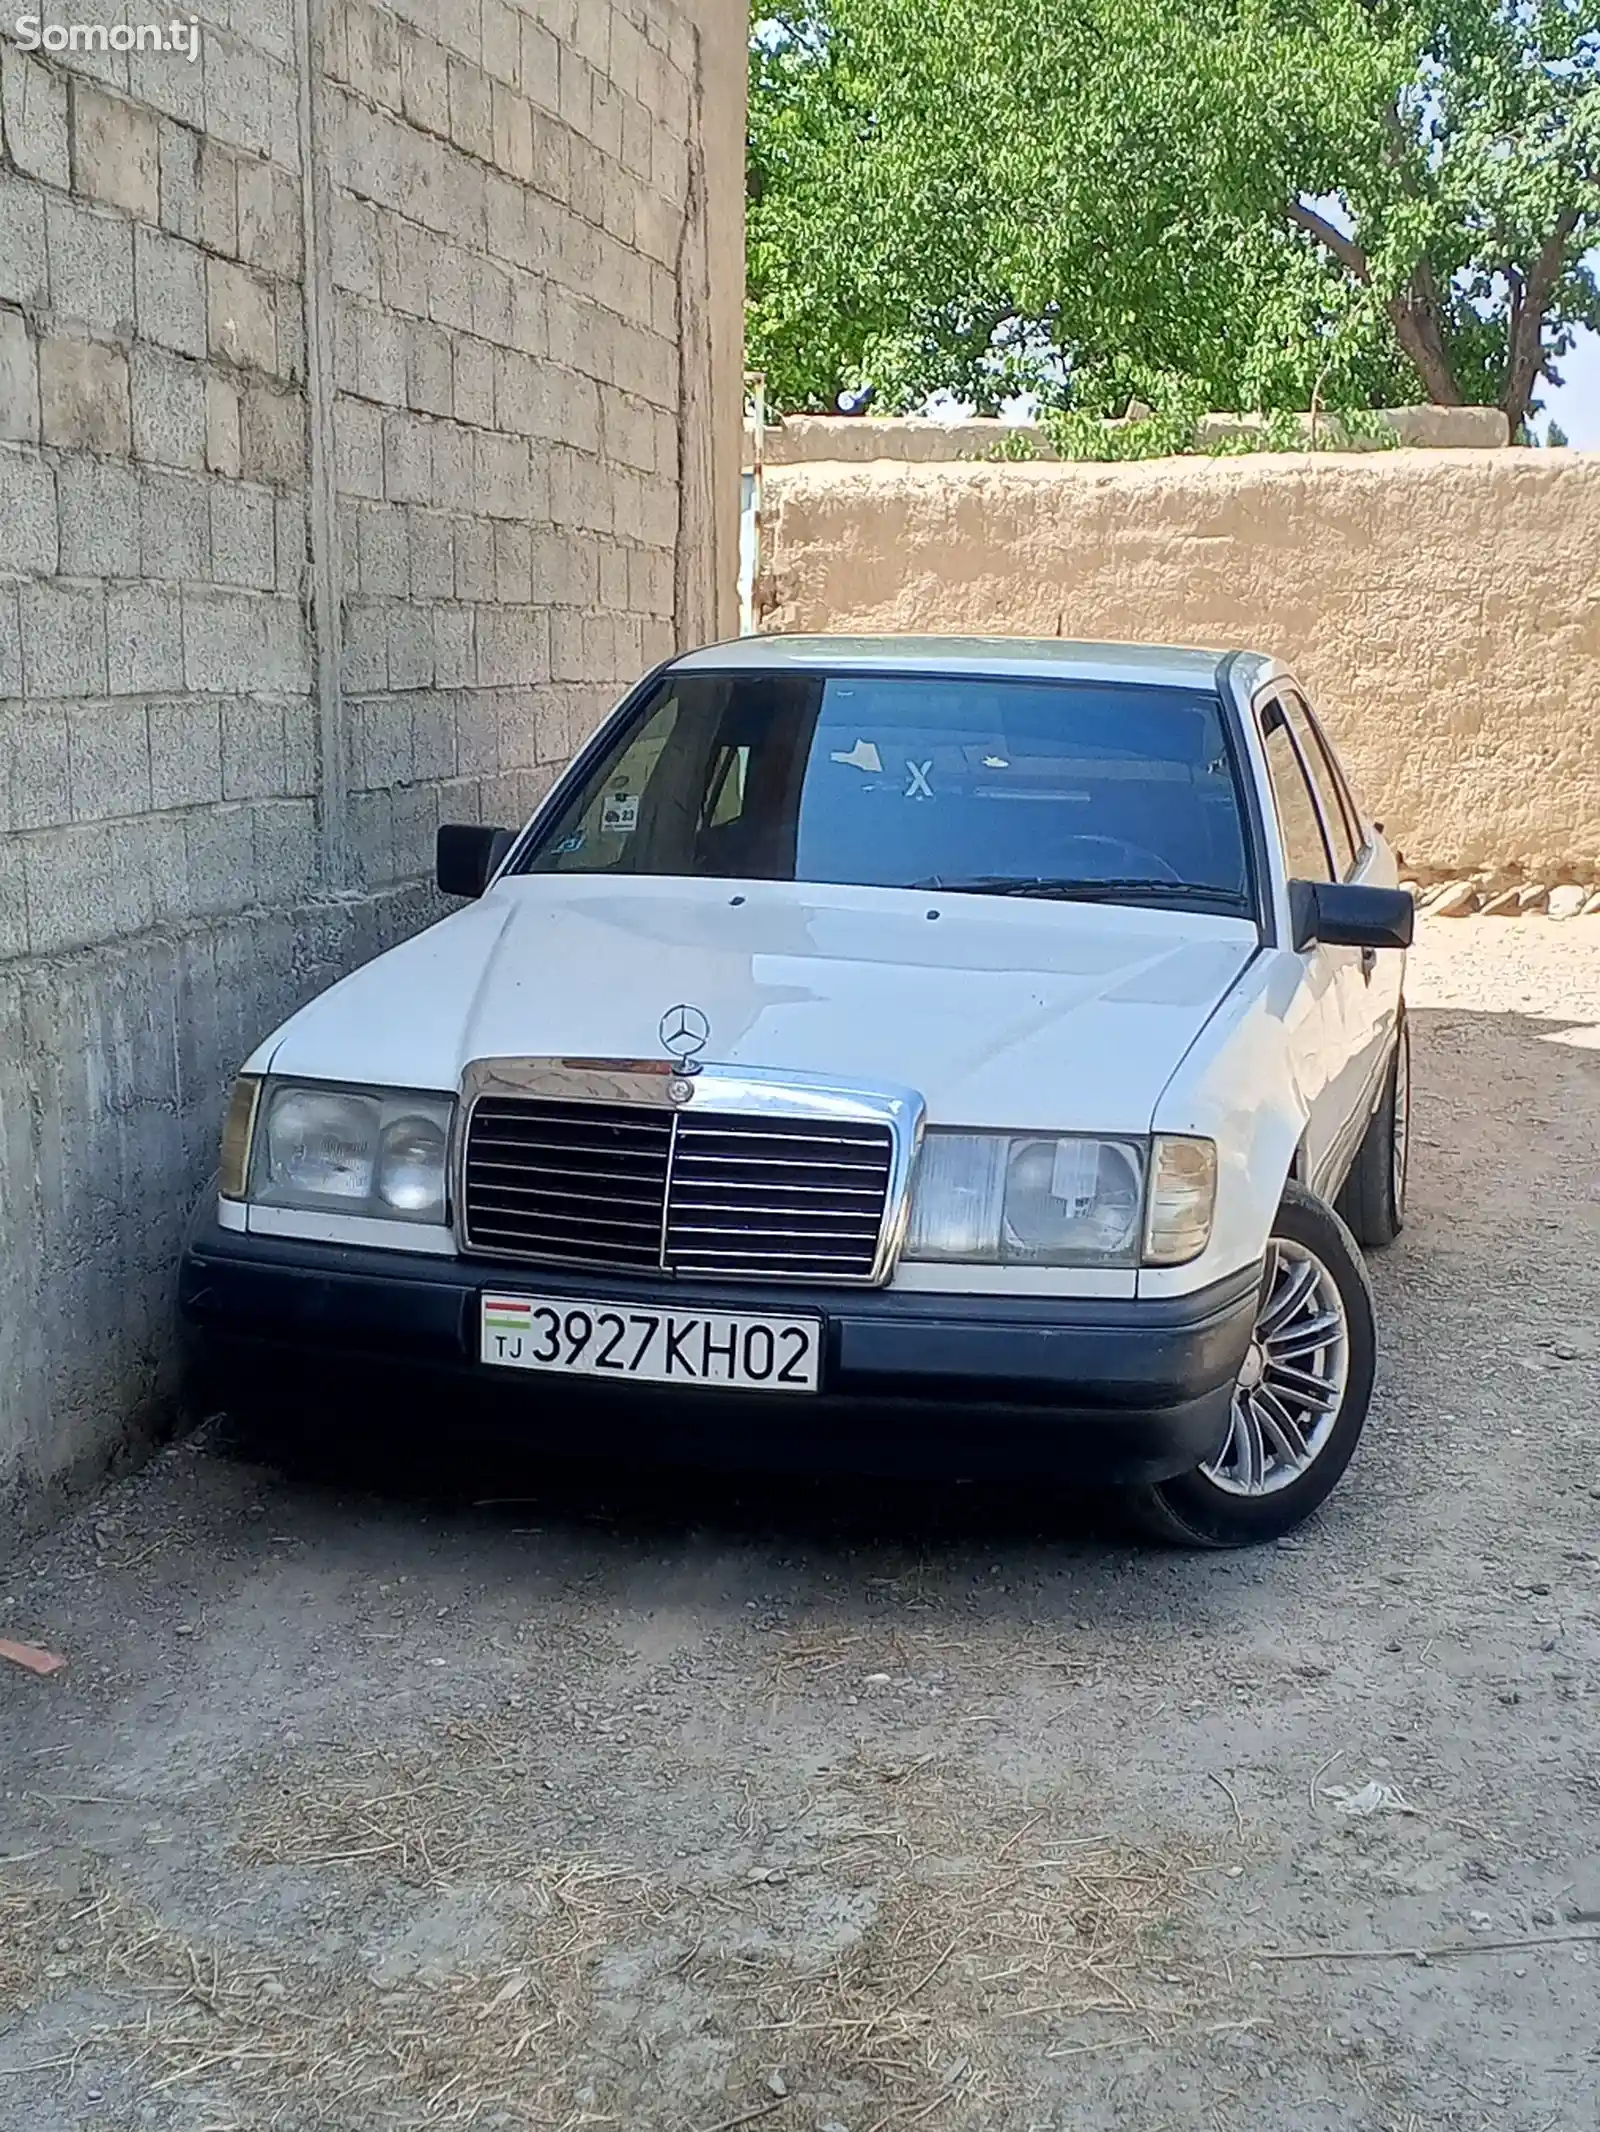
761, 1177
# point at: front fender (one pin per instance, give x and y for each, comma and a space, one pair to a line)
1236, 1085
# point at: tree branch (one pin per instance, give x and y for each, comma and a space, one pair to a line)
1532, 294
1345, 249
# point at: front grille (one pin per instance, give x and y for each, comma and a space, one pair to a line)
604, 1184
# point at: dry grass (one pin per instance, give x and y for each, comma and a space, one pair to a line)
910, 1948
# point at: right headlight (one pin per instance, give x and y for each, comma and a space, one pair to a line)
1032, 1199
376, 1152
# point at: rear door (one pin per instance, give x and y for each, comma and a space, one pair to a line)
1318, 1039
1370, 988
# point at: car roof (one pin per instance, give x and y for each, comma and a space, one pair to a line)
1051, 658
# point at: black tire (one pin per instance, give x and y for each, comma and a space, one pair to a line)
1196, 1510
1372, 1200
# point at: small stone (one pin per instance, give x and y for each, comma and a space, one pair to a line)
1459, 900
1506, 905
776, 2084
1542, 1914
876, 1680
1567, 901
1480, 1921
1591, 905
1532, 896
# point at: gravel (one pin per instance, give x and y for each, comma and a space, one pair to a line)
665, 1802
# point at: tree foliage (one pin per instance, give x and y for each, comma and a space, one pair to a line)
1268, 203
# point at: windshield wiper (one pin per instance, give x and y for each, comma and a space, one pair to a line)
1127, 887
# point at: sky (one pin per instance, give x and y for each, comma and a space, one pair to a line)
1575, 403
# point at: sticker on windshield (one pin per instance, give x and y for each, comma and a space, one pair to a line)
619, 816
863, 756
919, 788
570, 844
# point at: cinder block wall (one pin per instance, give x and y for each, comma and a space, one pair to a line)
369, 417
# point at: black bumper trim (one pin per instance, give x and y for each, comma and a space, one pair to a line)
1149, 1381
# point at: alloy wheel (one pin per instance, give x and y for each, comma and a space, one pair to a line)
1291, 1385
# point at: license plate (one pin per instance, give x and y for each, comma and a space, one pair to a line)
688, 1347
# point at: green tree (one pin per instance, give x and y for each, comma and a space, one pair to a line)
1268, 203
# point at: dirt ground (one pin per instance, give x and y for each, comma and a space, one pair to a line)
372, 1803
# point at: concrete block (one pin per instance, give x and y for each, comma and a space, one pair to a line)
84, 395
477, 733
108, 748
219, 849
144, 639
174, 526
513, 133
252, 748
99, 504
356, 248
493, 302
185, 752
432, 563
222, 426
430, 370
408, 259
513, 646
384, 550
529, 331
383, 744
23, 277
169, 409
372, 838
19, 381
291, 544
169, 291
179, 157
219, 198
13, 901
269, 218
364, 648
173, 86
358, 447
587, 194
10, 642
243, 316
433, 735
408, 458
243, 535
381, 347
613, 577
540, 77
576, 91
300, 757
34, 101
501, 470
63, 639
35, 773
372, 46
416, 824
471, 110
454, 646
72, 897
474, 382
116, 151
455, 486
474, 544
285, 852
424, 83
238, 90
512, 563
272, 436
28, 532
222, 631
502, 41
91, 267
451, 281
410, 646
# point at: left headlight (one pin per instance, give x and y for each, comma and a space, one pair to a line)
1017, 1199
377, 1152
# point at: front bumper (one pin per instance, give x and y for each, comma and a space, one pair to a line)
1108, 1390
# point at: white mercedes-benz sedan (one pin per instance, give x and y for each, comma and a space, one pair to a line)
928, 1054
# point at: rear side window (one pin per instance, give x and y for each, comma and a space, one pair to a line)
1305, 849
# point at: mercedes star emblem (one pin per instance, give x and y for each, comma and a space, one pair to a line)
685, 1033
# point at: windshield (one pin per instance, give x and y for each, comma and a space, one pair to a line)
1112, 791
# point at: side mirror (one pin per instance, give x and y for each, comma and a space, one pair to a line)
465, 856
1344, 914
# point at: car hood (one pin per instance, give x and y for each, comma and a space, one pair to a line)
999, 1011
